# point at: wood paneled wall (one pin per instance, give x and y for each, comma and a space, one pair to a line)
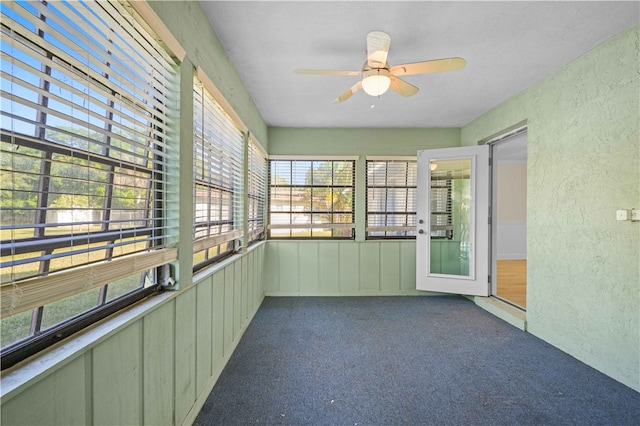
159, 367
340, 268
155, 369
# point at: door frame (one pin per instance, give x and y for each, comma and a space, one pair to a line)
493, 245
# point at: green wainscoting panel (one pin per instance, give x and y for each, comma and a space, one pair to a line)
370, 266
204, 332
217, 308
408, 268
58, 399
185, 357
329, 273
245, 288
117, 380
237, 297
308, 266
255, 278
158, 357
340, 268
229, 274
235, 300
289, 269
271, 268
251, 282
390, 267
349, 267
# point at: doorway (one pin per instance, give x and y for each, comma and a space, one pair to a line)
509, 220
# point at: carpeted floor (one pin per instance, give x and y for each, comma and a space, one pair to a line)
405, 361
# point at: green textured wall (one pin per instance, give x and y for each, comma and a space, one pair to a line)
342, 141
583, 292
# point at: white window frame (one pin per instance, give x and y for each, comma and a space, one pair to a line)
383, 184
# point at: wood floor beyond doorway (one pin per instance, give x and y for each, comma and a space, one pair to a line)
512, 281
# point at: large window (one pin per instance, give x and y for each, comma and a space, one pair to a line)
391, 198
87, 99
256, 191
217, 180
311, 198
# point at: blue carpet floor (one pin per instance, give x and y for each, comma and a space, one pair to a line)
405, 361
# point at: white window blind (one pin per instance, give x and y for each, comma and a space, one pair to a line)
256, 191
311, 198
446, 181
88, 101
218, 187
391, 198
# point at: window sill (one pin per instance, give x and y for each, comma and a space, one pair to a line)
215, 267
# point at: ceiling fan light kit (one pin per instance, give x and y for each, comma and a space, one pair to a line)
376, 81
377, 76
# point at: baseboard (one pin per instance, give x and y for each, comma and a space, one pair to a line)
503, 310
512, 256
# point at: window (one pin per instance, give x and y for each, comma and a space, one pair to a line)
256, 191
311, 198
217, 180
391, 198
87, 100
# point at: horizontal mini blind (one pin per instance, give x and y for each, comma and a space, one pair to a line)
256, 191
218, 179
391, 198
88, 101
311, 198
447, 180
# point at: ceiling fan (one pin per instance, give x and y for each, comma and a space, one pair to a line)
378, 76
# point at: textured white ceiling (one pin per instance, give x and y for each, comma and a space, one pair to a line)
508, 47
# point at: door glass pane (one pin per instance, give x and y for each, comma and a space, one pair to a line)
450, 206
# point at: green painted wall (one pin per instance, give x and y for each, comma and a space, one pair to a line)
348, 268
340, 268
583, 292
342, 141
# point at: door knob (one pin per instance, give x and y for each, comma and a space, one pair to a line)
420, 231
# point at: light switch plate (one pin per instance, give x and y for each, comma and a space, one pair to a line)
622, 214
635, 215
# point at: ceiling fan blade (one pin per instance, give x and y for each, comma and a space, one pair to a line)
349, 92
377, 48
328, 72
402, 87
437, 65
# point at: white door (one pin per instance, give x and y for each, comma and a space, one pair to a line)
452, 240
